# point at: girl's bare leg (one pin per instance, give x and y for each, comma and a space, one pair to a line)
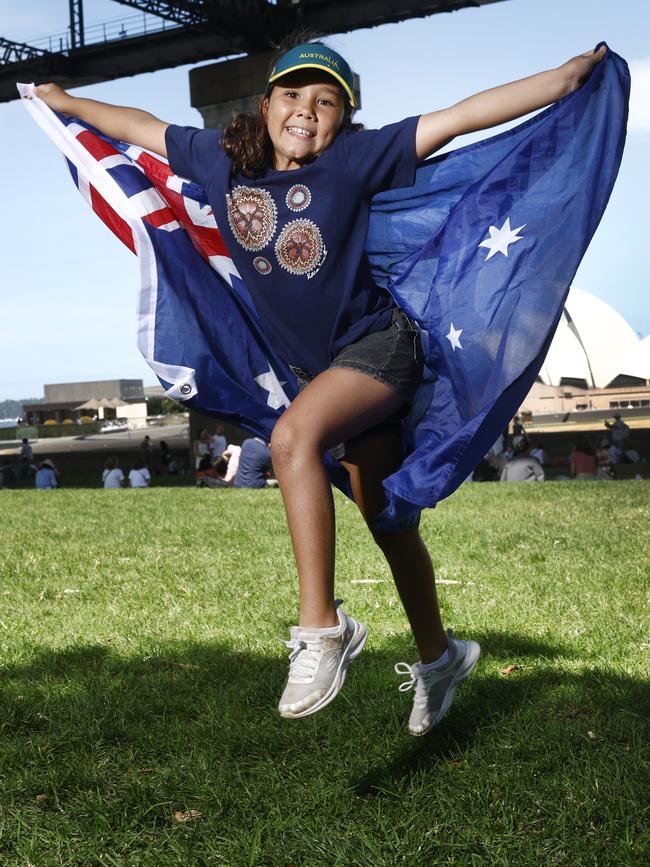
369, 462
336, 406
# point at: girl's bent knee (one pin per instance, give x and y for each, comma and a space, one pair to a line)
281, 446
290, 445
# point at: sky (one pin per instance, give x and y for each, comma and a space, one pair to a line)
68, 287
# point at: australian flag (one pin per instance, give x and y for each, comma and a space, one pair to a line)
480, 252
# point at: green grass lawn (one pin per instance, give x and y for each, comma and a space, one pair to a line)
140, 672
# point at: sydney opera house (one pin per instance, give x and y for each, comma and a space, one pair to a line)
596, 362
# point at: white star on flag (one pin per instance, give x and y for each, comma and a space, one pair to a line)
500, 239
453, 337
269, 382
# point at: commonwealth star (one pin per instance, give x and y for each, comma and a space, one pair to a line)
269, 382
453, 337
500, 239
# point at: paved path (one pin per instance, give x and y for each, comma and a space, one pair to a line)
175, 435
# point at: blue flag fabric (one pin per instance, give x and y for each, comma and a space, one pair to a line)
481, 252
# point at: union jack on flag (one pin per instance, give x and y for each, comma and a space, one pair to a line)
196, 322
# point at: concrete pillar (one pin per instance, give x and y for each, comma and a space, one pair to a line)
222, 90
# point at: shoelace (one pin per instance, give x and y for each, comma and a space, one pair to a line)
304, 658
417, 680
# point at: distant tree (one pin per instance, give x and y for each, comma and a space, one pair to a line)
170, 407
163, 406
14, 408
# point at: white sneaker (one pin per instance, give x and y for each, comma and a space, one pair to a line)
435, 688
318, 663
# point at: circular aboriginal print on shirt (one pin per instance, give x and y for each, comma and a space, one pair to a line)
300, 249
252, 215
298, 197
262, 265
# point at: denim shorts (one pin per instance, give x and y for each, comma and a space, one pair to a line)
393, 356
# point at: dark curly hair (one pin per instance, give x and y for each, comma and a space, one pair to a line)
246, 139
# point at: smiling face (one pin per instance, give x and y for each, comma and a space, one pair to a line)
303, 114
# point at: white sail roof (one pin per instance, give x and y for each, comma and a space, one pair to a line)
593, 342
637, 361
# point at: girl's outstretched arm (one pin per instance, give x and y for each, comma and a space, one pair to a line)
125, 124
501, 104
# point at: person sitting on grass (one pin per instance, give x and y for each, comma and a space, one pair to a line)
605, 461
210, 474
45, 478
254, 464
522, 467
231, 456
614, 453
539, 453
140, 477
113, 477
484, 471
584, 464
7, 474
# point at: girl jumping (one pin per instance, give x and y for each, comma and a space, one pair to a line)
290, 190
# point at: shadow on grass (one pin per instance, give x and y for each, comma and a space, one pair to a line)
561, 702
183, 704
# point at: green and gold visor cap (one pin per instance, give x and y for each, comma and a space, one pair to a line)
315, 55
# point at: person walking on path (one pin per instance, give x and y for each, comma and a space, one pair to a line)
26, 458
165, 457
618, 430
26, 451
218, 443
291, 189
518, 432
201, 447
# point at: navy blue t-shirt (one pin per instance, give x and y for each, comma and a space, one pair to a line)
297, 237
254, 463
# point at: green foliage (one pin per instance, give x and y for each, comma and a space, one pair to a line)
47, 431
163, 406
140, 674
14, 408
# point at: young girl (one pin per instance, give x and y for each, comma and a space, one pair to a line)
291, 191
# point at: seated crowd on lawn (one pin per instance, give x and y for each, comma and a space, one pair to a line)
513, 458
219, 464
